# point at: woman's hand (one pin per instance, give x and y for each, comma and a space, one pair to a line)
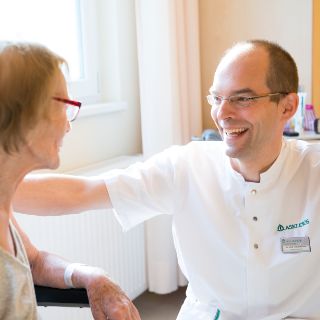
107, 300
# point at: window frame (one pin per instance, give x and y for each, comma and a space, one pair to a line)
87, 89
101, 90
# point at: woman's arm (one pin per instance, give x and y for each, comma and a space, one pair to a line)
56, 194
107, 300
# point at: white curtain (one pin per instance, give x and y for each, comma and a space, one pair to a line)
169, 73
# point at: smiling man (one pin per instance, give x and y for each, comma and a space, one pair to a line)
253, 96
245, 210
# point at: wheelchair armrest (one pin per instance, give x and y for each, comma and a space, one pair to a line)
47, 296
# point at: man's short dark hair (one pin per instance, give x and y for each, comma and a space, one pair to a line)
282, 74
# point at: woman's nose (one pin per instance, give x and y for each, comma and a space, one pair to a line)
68, 126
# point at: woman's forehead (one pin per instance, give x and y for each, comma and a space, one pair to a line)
59, 83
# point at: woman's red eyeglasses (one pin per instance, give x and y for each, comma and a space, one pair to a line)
73, 107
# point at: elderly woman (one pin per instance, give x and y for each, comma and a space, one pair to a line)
35, 114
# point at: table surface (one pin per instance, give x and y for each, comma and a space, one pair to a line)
307, 135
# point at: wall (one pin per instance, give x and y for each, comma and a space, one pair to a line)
224, 22
316, 56
94, 139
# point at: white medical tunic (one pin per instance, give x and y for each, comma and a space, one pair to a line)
249, 250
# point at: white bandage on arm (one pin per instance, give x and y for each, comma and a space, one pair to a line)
68, 273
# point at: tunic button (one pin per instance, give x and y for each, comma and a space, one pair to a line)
256, 246
253, 191
255, 219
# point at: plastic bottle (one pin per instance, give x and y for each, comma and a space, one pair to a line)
309, 117
299, 116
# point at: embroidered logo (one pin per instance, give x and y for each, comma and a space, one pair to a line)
217, 316
293, 226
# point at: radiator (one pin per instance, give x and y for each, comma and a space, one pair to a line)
94, 238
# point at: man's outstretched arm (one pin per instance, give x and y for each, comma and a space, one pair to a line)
56, 194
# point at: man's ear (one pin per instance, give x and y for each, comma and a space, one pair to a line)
289, 105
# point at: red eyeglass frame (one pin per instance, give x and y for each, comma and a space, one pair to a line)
71, 102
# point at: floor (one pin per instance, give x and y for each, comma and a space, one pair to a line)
160, 307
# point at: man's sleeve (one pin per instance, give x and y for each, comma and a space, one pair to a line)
142, 191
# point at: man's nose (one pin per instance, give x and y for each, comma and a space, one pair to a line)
225, 109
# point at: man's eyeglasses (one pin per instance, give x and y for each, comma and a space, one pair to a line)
239, 101
73, 107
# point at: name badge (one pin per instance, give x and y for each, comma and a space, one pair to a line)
295, 244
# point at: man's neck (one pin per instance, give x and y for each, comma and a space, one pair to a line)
252, 168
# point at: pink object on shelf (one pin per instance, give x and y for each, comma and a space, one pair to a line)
309, 117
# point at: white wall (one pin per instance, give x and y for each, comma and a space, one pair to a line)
97, 138
224, 22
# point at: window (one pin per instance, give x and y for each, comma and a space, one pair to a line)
62, 26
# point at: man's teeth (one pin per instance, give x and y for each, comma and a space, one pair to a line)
234, 131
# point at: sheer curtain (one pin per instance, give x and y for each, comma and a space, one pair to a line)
169, 72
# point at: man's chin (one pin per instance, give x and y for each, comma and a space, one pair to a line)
232, 152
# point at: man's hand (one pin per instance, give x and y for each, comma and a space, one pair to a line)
107, 300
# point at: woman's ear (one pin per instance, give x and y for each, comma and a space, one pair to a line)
289, 105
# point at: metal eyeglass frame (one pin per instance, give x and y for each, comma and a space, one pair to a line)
242, 101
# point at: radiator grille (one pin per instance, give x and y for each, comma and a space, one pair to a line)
93, 238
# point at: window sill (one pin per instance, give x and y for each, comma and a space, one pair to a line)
97, 168
102, 167
90, 110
